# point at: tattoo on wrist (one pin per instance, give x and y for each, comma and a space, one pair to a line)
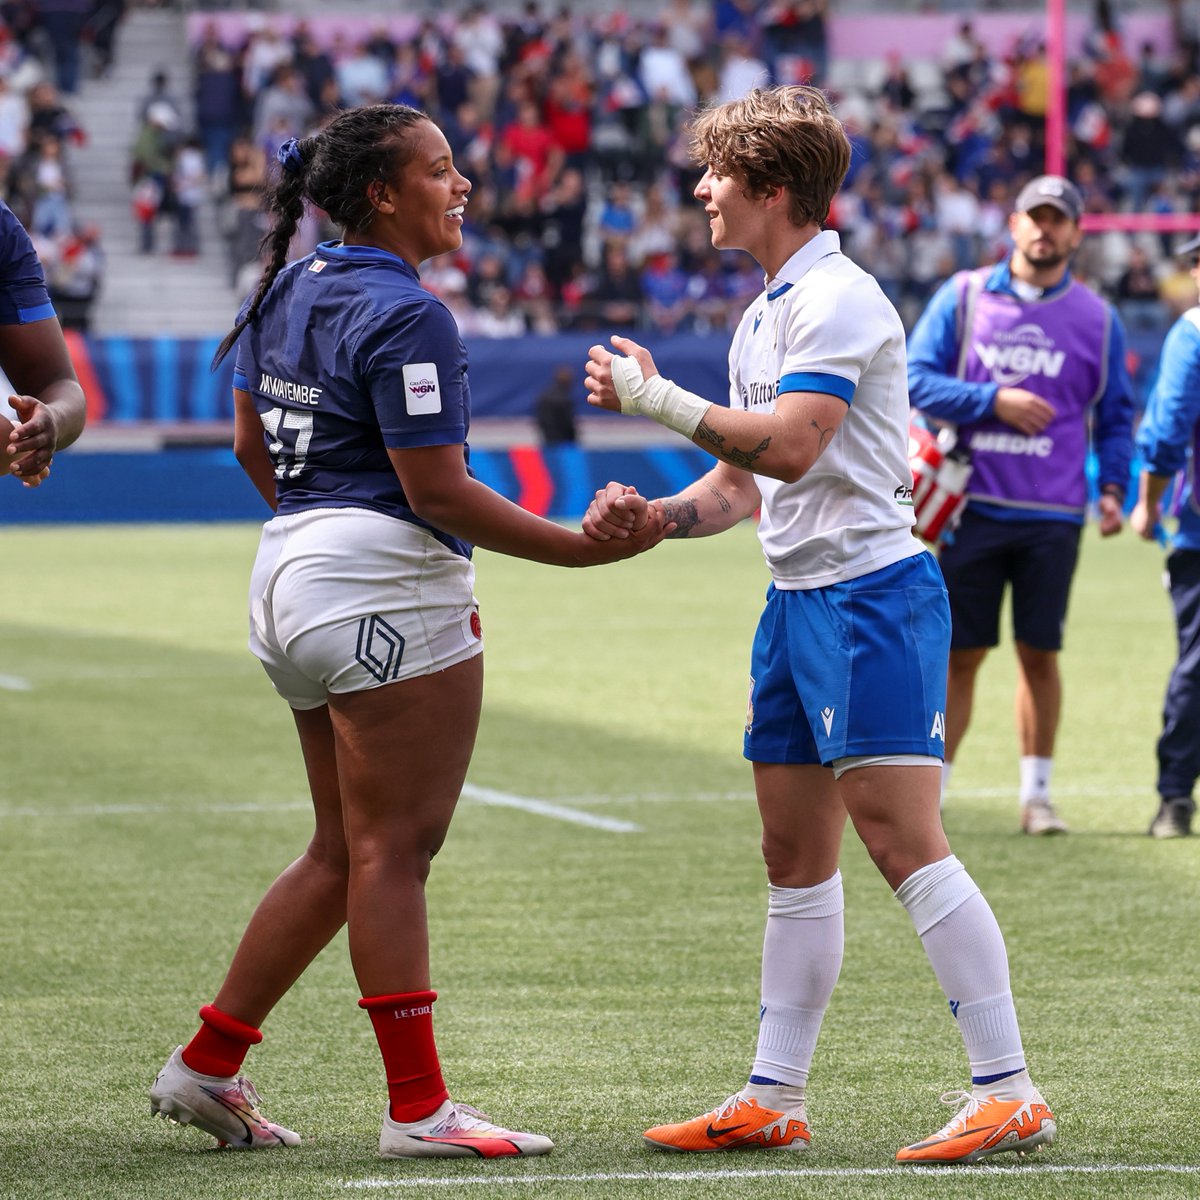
683, 513
706, 435
716, 491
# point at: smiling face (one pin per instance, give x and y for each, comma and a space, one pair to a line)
734, 218
419, 214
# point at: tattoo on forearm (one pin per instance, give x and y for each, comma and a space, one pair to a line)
683, 513
824, 436
707, 436
716, 491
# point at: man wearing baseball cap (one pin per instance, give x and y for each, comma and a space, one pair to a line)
1029, 364
1168, 436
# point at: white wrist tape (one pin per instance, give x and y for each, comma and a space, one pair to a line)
656, 397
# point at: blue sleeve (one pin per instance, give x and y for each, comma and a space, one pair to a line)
23, 294
933, 350
1112, 422
414, 366
1173, 408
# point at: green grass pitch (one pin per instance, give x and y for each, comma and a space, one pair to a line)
593, 980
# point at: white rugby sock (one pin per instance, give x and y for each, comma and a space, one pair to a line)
802, 956
967, 953
1035, 778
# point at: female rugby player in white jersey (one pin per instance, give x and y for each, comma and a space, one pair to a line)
352, 409
848, 668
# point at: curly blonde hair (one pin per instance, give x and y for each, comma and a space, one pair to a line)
784, 137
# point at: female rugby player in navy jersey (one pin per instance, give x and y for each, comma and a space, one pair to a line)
362, 611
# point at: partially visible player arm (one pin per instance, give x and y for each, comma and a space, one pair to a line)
717, 501
440, 491
782, 444
49, 401
250, 446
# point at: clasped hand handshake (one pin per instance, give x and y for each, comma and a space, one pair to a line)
26, 449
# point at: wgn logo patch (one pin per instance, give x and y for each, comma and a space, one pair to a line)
380, 648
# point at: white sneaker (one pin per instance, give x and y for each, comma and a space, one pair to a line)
456, 1131
1039, 817
226, 1108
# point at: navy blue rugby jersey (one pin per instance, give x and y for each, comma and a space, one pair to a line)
350, 356
23, 294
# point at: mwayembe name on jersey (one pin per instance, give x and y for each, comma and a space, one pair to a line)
286, 389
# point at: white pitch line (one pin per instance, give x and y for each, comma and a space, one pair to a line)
1016, 1171
479, 795
544, 808
15, 683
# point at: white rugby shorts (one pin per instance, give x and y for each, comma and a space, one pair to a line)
346, 599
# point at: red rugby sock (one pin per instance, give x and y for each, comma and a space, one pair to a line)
219, 1047
404, 1029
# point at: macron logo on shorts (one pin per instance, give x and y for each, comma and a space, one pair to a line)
422, 395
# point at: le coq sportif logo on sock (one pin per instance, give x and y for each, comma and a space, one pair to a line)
417, 1010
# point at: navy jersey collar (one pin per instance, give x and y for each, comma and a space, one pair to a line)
1000, 280
339, 251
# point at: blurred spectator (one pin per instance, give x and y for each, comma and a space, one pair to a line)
314, 65
1137, 292
1148, 148
453, 79
217, 97
14, 124
362, 77
499, 318
554, 410
189, 188
663, 71
74, 266
247, 177
264, 50
795, 40
152, 166
615, 298
665, 286
160, 93
283, 105
741, 71
103, 20
51, 211
63, 22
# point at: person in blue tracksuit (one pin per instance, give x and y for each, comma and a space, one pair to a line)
1169, 440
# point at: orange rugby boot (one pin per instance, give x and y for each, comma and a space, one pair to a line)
983, 1127
738, 1124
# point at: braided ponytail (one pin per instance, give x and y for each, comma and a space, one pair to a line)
286, 202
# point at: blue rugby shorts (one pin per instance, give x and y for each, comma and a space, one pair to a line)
851, 669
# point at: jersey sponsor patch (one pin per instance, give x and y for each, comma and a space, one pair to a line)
422, 395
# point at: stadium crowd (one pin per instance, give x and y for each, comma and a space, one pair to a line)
572, 126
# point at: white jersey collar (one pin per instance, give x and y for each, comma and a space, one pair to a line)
825, 243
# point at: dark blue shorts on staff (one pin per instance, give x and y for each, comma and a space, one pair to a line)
1037, 558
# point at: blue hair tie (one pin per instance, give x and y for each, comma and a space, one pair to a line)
290, 157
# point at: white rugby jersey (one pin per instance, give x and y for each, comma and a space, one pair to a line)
824, 325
